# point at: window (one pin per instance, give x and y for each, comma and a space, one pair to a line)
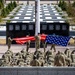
58, 17
11, 27
22, 9
51, 27
46, 14
48, 17
29, 11
64, 27
44, 27
23, 27
46, 11
28, 14
30, 27
27, 17
18, 14
57, 27
16, 17
17, 27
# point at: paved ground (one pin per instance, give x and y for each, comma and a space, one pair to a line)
18, 48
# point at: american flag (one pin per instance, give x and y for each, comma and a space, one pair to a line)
58, 40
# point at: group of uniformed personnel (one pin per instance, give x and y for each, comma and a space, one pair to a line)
37, 58
37, 43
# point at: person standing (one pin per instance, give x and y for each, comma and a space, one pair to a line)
27, 44
53, 47
34, 62
43, 41
9, 42
59, 59
37, 41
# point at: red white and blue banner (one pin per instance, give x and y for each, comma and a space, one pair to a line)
23, 40
52, 39
58, 40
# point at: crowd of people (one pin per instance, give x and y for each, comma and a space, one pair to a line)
38, 57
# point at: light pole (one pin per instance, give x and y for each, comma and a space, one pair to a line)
37, 17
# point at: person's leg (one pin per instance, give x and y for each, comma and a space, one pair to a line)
45, 47
27, 47
51, 47
54, 49
9, 47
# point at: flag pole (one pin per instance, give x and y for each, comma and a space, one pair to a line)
37, 17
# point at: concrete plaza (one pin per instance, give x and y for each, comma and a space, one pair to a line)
17, 48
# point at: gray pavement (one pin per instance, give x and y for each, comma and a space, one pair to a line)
18, 48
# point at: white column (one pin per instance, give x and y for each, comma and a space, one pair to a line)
37, 17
